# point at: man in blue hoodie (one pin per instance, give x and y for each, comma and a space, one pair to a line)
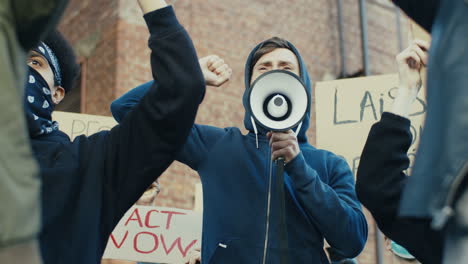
240, 217
88, 184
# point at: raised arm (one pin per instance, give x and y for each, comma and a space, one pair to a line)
215, 71
148, 139
381, 177
201, 138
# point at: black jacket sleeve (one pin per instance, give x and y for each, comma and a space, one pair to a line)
380, 181
423, 12
147, 140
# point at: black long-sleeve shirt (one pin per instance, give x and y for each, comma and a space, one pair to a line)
380, 182
421, 11
88, 184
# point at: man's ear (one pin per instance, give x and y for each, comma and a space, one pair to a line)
58, 94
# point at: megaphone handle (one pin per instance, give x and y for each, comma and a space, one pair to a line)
280, 163
283, 233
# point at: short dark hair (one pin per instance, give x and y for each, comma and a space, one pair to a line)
268, 46
66, 58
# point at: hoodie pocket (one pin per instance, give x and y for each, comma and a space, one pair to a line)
222, 251
235, 250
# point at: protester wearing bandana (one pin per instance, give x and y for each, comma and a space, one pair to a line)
89, 183
42, 95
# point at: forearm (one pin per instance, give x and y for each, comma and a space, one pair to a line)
380, 176
148, 139
178, 77
403, 102
335, 211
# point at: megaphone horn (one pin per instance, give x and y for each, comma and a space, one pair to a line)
278, 100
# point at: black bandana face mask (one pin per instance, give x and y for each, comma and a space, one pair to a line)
38, 105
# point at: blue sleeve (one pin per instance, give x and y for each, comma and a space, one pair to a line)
333, 207
124, 104
199, 141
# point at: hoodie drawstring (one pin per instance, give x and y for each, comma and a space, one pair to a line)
255, 130
298, 128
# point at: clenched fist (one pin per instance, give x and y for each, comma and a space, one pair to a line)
284, 144
215, 70
410, 62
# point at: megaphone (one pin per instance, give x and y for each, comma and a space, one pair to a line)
278, 100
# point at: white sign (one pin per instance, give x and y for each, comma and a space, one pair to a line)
155, 234
74, 124
346, 110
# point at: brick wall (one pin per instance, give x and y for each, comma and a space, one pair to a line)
111, 38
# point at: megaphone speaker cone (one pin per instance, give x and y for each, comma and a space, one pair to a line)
277, 106
278, 100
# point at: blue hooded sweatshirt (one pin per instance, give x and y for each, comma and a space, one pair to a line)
319, 192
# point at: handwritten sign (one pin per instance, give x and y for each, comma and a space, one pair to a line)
155, 234
346, 110
78, 124
418, 32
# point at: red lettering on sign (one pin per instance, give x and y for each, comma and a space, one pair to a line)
138, 218
135, 243
179, 246
118, 245
147, 218
169, 217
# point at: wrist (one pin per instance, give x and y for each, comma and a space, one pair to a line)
406, 92
402, 103
148, 6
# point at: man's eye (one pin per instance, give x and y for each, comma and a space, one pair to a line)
262, 69
34, 62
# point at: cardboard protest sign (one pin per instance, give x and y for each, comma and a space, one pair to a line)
346, 110
155, 234
78, 124
417, 32
198, 207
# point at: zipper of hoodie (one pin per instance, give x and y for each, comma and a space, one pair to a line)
442, 215
267, 228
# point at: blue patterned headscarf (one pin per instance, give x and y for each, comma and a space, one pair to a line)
38, 105
49, 55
